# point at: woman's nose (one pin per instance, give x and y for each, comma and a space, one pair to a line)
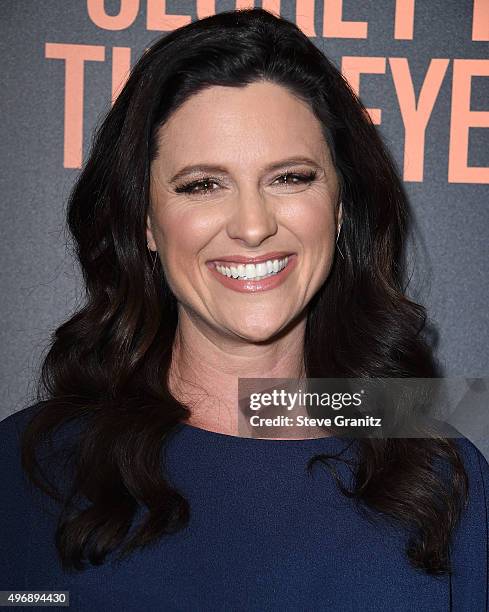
253, 218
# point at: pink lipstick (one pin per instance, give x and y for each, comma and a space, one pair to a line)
274, 267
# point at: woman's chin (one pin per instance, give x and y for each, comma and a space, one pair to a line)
257, 333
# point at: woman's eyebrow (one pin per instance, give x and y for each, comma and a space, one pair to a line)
290, 161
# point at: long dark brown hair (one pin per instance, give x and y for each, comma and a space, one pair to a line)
107, 365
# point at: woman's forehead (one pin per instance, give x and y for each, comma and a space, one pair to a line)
260, 123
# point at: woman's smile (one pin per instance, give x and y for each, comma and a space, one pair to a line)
252, 277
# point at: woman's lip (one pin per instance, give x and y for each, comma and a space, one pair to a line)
251, 260
252, 286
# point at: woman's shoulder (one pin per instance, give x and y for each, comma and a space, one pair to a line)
14, 488
17, 490
477, 468
473, 528
13, 424
12, 427
470, 545
475, 461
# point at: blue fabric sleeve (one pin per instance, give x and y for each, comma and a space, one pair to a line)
13, 520
470, 546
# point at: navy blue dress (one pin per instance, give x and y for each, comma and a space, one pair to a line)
264, 534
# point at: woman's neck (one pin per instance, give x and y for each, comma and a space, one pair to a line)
206, 366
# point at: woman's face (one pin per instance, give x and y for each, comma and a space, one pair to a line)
268, 190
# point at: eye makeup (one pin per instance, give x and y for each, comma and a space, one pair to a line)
299, 178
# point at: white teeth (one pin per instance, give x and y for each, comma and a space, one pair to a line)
261, 269
254, 271
250, 270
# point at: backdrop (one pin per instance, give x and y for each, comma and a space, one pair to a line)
420, 67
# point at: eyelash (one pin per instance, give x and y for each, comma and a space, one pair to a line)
187, 188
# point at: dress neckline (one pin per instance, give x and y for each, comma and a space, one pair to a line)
199, 432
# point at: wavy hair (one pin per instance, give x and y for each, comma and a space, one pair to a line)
107, 366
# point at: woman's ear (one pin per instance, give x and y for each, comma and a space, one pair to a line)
149, 234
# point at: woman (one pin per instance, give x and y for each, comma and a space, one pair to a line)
235, 141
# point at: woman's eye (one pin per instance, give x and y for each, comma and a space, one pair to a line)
196, 187
204, 186
296, 178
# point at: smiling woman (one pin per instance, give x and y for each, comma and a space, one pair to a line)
208, 222
264, 195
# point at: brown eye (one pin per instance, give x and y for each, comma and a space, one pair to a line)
296, 178
197, 187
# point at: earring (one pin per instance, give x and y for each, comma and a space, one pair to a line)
337, 236
339, 229
155, 257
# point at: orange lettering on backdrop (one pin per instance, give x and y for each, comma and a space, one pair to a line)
415, 116
125, 17
158, 19
404, 20
271, 5
352, 67
75, 57
463, 119
480, 20
304, 17
121, 65
335, 27
205, 8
